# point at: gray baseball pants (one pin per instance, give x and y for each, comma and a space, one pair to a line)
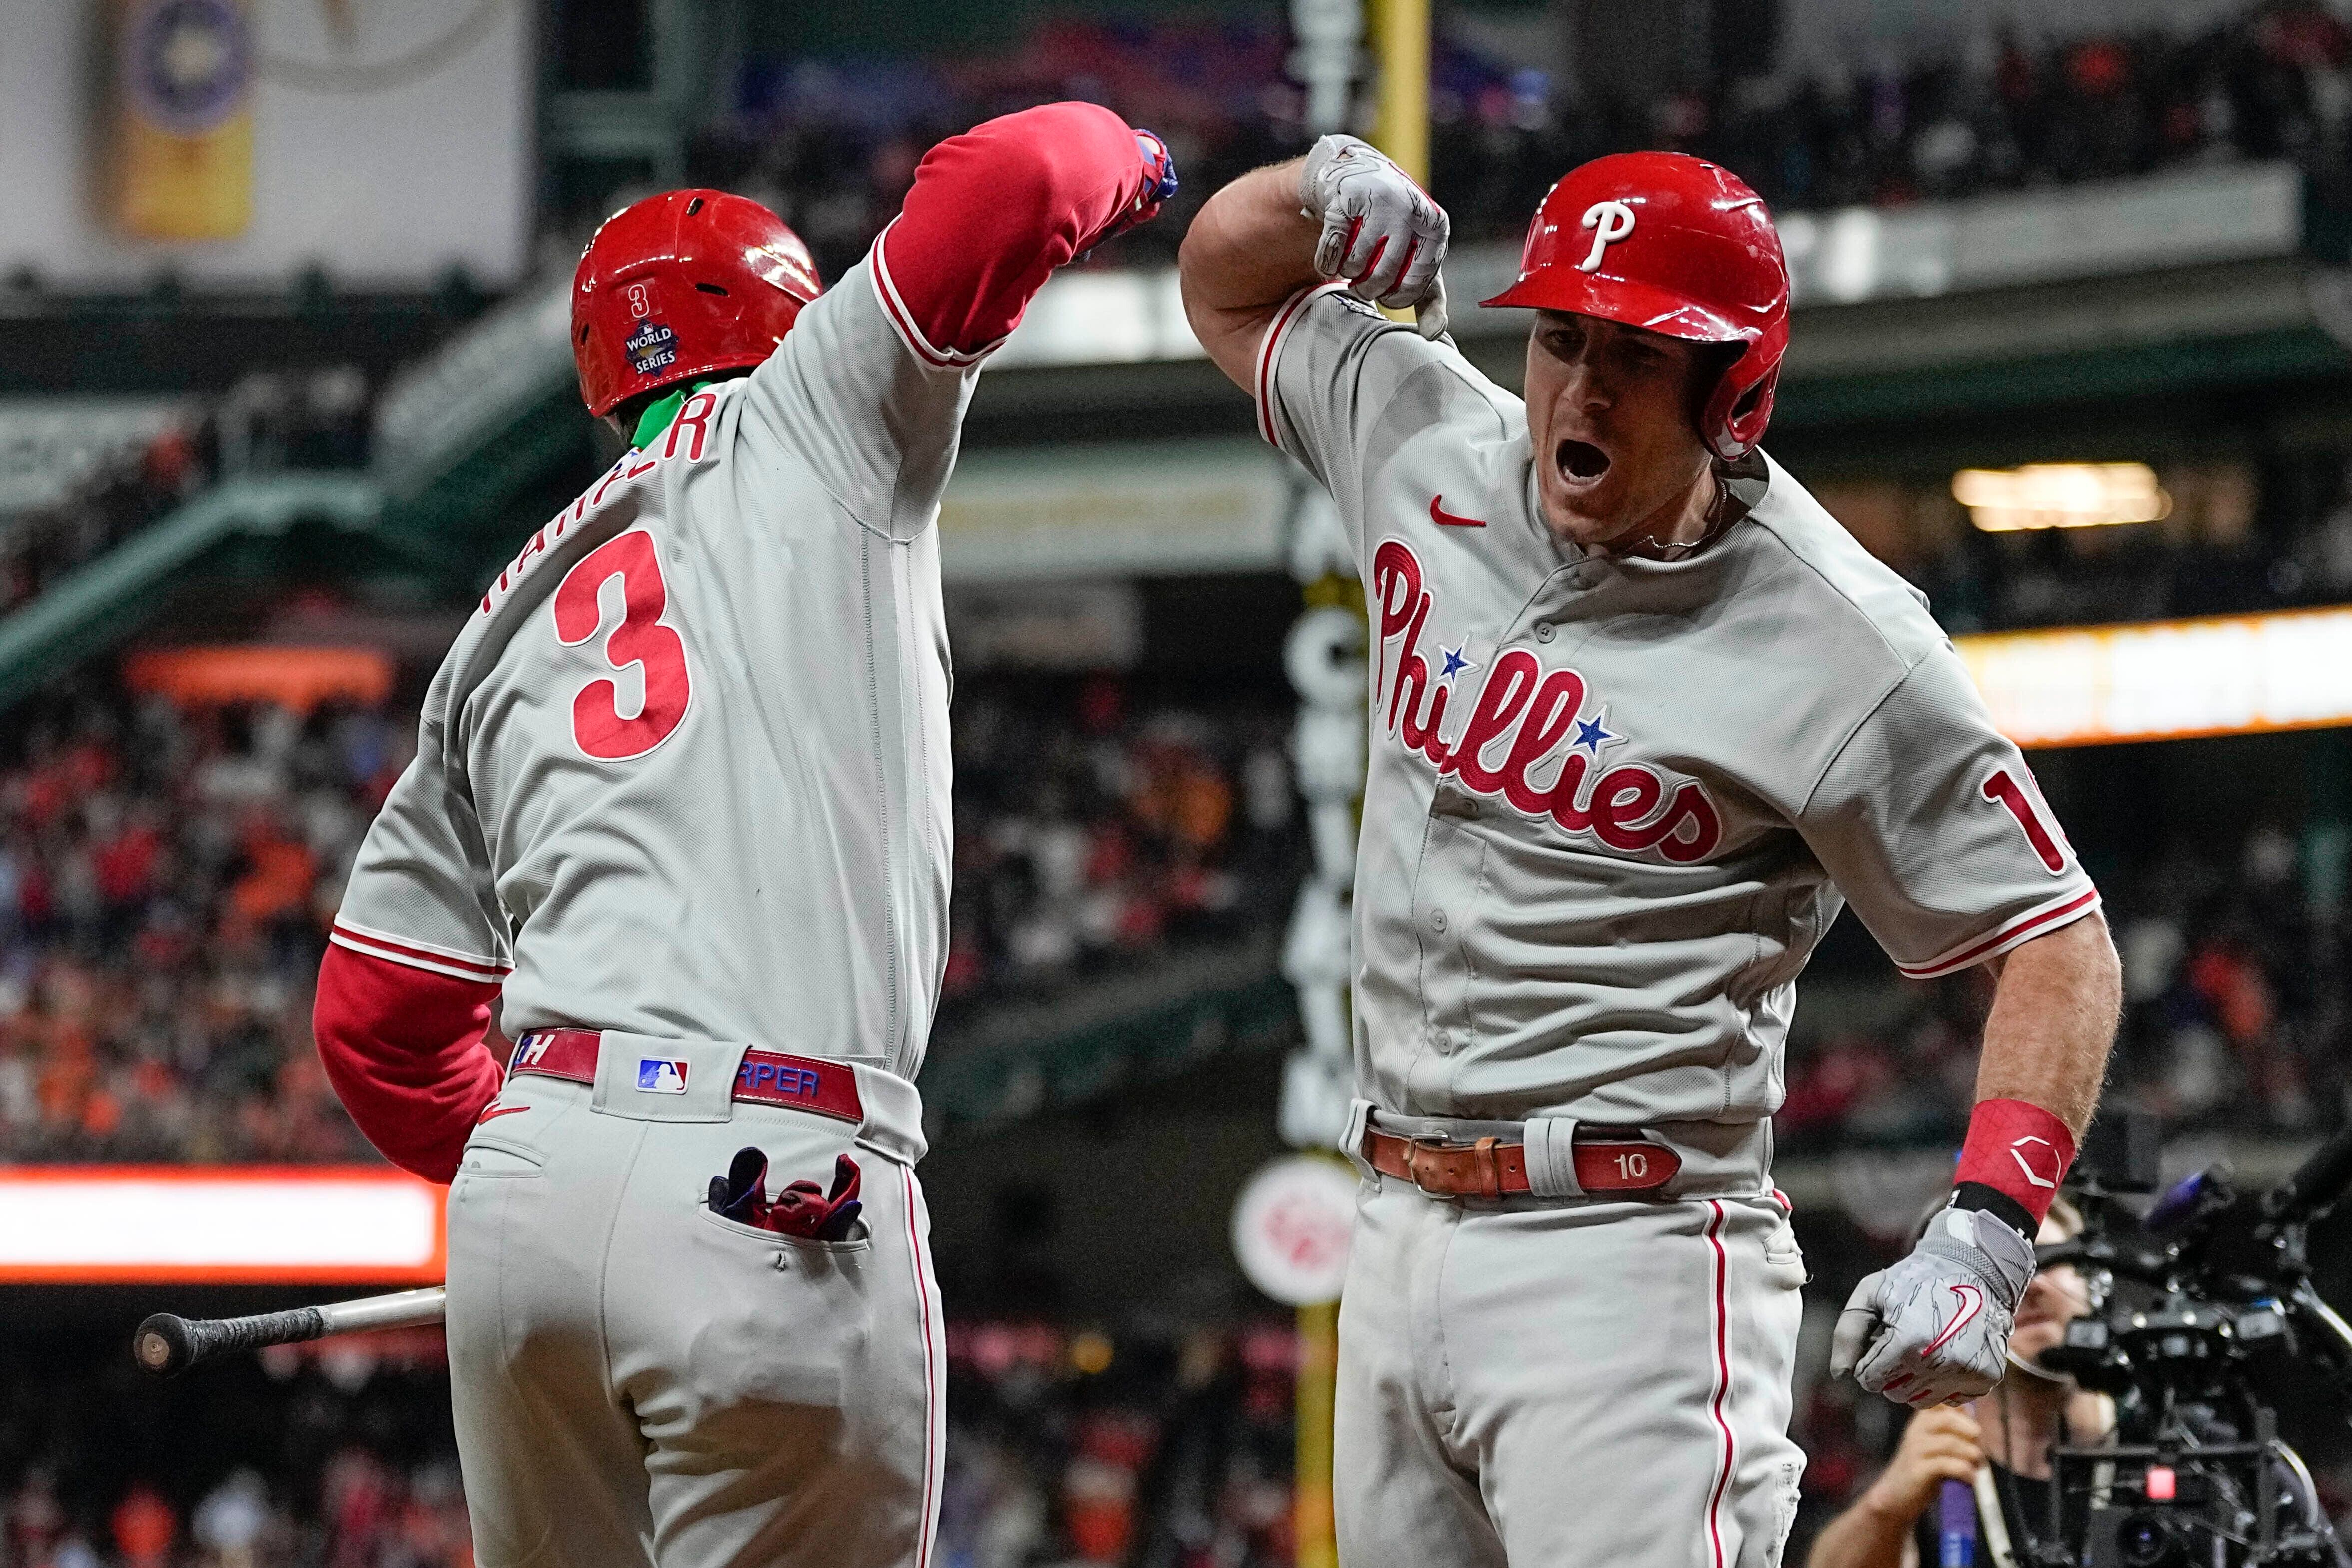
637, 1380
1547, 1384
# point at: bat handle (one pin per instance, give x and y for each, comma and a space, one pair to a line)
1956, 1539
167, 1345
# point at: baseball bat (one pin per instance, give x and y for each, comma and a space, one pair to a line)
167, 1345
1956, 1539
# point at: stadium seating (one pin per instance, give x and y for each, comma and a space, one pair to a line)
1991, 260
166, 874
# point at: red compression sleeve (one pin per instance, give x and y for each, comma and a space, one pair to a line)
2019, 1150
993, 212
404, 1049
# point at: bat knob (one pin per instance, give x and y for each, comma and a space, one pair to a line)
162, 1346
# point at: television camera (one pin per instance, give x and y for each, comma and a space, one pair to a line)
2197, 1307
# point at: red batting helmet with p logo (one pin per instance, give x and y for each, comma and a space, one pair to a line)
681, 284
1672, 244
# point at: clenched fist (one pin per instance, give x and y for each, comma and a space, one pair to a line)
1381, 235
1935, 1327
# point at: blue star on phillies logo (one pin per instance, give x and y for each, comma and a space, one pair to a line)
1502, 746
660, 1075
1594, 734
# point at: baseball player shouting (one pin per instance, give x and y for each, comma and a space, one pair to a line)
1643, 718
680, 809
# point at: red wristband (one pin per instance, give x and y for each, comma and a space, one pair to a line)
2019, 1151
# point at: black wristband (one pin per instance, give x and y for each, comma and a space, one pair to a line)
1991, 1200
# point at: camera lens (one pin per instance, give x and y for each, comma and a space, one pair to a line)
2151, 1541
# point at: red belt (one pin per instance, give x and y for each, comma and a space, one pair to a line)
1491, 1168
766, 1077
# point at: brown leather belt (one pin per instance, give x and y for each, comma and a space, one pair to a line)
766, 1077
1491, 1168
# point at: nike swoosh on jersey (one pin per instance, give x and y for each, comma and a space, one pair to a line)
1971, 1303
1445, 519
495, 1111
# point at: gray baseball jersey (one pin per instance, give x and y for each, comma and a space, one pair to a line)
684, 779
1613, 805
686, 773
1614, 802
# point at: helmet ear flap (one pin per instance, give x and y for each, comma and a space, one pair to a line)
1740, 408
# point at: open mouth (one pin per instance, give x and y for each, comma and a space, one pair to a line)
1581, 461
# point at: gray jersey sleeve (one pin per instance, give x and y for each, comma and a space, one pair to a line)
1328, 368
421, 892
873, 410
1931, 825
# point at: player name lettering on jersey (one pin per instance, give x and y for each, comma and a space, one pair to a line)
1524, 713
689, 434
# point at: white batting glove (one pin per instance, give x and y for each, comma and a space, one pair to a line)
1935, 1327
1382, 233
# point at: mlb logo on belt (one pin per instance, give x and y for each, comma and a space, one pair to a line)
660, 1075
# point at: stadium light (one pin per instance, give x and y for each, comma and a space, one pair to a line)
2167, 680
2059, 496
219, 1225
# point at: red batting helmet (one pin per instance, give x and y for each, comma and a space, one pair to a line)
681, 284
1676, 245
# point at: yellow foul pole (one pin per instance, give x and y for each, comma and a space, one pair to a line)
1318, 1364
1400, 30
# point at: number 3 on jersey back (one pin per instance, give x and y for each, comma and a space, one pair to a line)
640, 639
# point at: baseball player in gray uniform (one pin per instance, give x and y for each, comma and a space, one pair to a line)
680, 810
1642, 719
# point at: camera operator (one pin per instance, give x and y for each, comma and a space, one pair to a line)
1999, 1444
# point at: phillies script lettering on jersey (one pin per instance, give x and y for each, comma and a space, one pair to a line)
1525, 712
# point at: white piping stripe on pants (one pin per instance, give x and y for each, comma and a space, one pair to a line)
1600, 1384
933, 1422
1722, 1350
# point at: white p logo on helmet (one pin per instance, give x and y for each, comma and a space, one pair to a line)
1609, 222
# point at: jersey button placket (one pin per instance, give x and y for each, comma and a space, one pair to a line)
1544, 632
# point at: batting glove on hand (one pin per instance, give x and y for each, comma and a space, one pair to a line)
1382, 233
1935, 1327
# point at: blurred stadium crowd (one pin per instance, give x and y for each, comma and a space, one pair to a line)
2235, 1006
1152, 1448
2237, 540
268, 422
833, 145
167, 870
1163, 1449
1087, 837
167, 873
